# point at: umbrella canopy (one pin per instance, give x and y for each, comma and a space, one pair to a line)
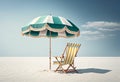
43, 25
50, 26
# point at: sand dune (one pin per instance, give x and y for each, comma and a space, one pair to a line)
35, 69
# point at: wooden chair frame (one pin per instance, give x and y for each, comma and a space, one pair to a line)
71, 53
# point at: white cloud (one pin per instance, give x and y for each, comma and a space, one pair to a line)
109, 29
102, 25
90, 32
111, 35
99, 30
92, 35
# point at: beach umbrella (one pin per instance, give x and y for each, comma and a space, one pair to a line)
50, 26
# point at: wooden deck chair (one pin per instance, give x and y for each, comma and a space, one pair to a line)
71, 50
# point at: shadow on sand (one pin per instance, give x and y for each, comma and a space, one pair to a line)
92, 70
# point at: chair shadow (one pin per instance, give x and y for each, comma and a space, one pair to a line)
93, 70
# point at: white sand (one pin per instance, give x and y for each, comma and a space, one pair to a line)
33, 69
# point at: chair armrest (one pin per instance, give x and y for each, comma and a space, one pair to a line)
58, 56
59, 59
62, 56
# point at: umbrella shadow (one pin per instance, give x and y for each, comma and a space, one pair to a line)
93, 70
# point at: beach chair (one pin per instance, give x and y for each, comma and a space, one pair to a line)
67, 58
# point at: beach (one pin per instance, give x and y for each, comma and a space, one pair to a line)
36, 69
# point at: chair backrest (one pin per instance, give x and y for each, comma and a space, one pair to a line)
71, 52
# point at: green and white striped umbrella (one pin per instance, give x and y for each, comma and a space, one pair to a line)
50, 26
43, 25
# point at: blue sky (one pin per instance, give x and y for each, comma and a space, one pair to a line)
98, 21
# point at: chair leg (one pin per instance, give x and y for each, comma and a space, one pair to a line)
63, 69
57, 68
67, 68
74, 69
60, 66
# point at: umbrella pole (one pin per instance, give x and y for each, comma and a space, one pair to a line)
50, 54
